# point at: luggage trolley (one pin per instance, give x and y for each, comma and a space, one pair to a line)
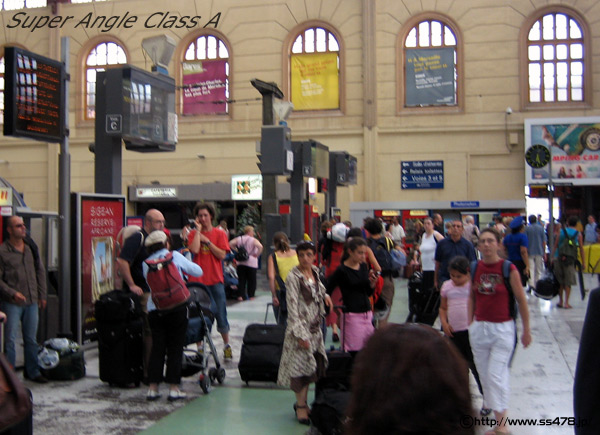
200, 323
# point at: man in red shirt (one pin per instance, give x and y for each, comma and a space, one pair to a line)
210, 246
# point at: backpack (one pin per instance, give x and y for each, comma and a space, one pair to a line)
241, 253
512, 302
125, 233
381, 249
567, 250
167, 287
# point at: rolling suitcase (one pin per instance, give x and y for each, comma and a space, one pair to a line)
120, 353
332, 392
120, 343
261, 351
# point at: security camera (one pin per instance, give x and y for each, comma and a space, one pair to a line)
508, 111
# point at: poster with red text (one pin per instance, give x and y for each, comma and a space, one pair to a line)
100, 218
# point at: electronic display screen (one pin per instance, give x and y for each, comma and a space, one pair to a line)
33, 96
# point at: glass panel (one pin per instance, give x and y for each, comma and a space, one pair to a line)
577, 94
535, 73
91, 75
13, 4
534, 33
333, 44
534, 52
112, 53
548, 27
576, 51
562, 95
562, 72
2, 66
223, 52
424, 34
411, 39
549, 95
549, 77
534, 96
548, 52
449, 38
189, 53
36, 3
577, 68
309, 45
297, 47
211, 50
575, 30
436, 33
321, 40
576, 81
201, 48
561, 26
561, 51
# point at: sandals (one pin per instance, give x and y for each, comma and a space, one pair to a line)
305, 421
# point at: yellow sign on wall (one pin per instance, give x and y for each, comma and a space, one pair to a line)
315, 81
5, 196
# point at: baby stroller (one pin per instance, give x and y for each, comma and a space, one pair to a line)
423, 304
200, 323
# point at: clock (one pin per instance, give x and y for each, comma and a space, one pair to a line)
537, 156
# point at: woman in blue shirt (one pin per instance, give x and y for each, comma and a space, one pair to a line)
515, 245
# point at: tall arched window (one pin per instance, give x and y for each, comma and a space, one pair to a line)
102, 56
554, 42
314, 70
430, 66
205, 77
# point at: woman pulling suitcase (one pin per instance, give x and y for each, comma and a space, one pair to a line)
303, 359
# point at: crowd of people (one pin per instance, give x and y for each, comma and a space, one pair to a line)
346, 282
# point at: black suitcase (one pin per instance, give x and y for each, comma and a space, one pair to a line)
261, 351
117, 306
120, 353
70, 367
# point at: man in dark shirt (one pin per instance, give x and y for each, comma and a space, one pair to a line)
129, 265
449, 248
23, 292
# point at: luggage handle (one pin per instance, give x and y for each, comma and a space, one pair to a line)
270, 304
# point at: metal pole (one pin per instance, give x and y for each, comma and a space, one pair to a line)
550, 205
64, 189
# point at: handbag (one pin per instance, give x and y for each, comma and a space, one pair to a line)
15, 401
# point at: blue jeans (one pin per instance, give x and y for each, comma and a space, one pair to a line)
27, 315
218, 305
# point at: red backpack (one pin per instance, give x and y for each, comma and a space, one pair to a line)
167, 287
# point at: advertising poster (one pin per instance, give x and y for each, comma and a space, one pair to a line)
204, 87
574, 145
430, 77
99, 219
315, 81
247, 187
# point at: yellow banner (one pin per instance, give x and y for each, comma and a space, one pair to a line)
315, 81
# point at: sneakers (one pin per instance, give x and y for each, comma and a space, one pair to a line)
152, 395
176, 395
227, 352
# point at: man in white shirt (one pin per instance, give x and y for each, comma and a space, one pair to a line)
397, 231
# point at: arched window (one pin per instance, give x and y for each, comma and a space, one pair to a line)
314, 70
430, 65
102, 56
205, 77
555, 58
9, 5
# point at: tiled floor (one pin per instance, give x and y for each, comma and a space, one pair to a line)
541, 380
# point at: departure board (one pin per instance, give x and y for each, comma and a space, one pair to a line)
33, 96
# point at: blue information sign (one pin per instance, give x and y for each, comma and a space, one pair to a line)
464, 204
422, 174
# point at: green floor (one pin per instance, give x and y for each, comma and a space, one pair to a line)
235, 408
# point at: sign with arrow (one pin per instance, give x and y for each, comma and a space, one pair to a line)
422, 174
